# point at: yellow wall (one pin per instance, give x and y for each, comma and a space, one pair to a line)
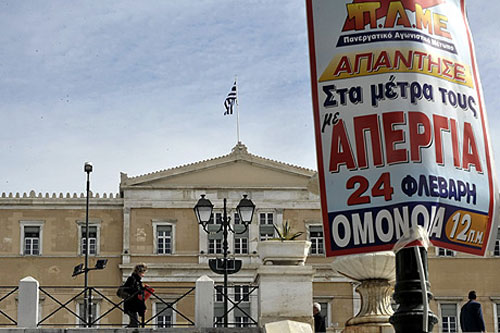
60, 230
141, 230
450, 277
341, 304
456, 276
235, 173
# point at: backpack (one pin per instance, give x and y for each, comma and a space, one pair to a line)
122, 292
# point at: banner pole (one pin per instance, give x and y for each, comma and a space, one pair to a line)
237, 111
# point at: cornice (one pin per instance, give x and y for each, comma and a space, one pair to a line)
48, 201
238, 153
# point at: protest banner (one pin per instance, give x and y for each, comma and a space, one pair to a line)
401, 130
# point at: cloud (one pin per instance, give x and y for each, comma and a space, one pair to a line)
139, 86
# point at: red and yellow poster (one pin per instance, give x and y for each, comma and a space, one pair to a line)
401, 130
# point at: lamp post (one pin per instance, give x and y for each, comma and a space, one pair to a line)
412, 292
86, 302
84, 268
100, 264
203, 212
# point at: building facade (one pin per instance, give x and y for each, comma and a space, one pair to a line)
151, 220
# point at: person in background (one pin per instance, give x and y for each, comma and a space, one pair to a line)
471, 315
135, 305
319, 320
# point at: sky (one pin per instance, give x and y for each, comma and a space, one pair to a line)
138, 86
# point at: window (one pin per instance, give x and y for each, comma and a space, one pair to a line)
266, 218
448, 317
164, 239
214, 244
215, 233
242, 321
239, 301
240, 245
216, 218
243, 311
445, 252
94, 313
219, 307
497, 306
92, 240
164, 315
31, 241
324, 310
241, 293
316, 238
496, 251
266, 226
164, 236
94, 232
240, 236
219, 320
219, 294
31, 238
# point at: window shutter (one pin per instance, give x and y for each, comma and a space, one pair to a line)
213, 228
213, 234
164, 228
92, 231
163, 310
315, 229
245, 307
238, 231
31, 230
448, 310
266, 229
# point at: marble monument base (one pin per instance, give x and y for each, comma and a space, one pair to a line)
375, 308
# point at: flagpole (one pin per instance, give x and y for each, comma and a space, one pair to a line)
237, 110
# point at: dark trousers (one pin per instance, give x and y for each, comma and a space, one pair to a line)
134, 319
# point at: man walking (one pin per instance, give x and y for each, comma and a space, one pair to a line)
319, 320
471, 315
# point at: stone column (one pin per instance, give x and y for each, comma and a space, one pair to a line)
27, 310
204, 302
285, 293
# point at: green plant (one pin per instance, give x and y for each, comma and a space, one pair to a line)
286, 233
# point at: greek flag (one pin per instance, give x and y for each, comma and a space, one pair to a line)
230, 101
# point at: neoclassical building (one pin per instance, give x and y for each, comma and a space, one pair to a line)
151, 220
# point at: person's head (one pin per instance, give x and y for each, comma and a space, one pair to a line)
316, 308
472, 294
140, 269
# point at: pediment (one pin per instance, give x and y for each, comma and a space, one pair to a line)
237, 169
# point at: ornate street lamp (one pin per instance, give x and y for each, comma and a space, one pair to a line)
245, 210
203, 212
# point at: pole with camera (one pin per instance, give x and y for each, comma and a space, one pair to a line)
84, 268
